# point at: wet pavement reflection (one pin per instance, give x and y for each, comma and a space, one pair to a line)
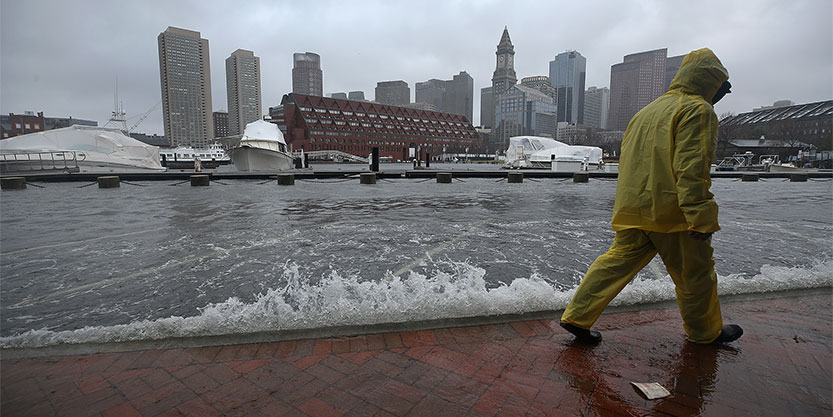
780, 367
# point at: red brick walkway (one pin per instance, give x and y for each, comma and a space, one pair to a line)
781, 367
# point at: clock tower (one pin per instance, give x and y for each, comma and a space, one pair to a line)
504, 75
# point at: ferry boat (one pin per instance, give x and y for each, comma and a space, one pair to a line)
182, 157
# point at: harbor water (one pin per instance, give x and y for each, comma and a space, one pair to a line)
154, 260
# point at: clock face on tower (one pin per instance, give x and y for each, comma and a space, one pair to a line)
500, 59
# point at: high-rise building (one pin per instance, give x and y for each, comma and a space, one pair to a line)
541, 83
487, 107
356, 95
307, 77
520, 111
342, 96
596, 105
419, 105
635, 82
459, 95
568, 73
221, 128
185, 75
454, 96
394, 93
672, 65
243, 90
431, 92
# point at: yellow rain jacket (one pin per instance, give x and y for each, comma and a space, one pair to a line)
667, 151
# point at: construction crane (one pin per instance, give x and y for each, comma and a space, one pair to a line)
144, 116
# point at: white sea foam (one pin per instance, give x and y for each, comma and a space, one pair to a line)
451, 290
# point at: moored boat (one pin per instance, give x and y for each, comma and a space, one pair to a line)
182, 157
262, 148
84, 149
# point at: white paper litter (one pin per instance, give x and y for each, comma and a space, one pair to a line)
652, 390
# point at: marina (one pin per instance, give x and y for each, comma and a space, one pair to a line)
244, 255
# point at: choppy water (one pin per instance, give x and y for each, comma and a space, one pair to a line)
156, 261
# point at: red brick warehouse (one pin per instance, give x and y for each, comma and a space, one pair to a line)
314, 123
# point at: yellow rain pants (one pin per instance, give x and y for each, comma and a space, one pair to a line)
661, 194
689, 262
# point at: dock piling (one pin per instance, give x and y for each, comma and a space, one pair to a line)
199, 180
13, 183
515, 177
108, 182
581, 177
798, 177
367, 178
286, 179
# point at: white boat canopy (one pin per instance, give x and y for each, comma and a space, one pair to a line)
578, 153
522, 147
262, 130
524, 150
96, 148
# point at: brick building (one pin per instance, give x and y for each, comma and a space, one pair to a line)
315, 123
12, 125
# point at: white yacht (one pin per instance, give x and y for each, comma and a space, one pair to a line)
77, 149
262, 148
548, 153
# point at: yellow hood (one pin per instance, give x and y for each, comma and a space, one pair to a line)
666, 153
701, 73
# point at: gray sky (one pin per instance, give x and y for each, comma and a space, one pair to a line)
62, 57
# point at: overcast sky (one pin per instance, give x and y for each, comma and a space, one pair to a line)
63, 57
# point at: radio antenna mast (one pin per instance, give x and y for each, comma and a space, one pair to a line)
118, 117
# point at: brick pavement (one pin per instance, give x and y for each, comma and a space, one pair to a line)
781, 367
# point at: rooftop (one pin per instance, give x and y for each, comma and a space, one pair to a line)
821, 108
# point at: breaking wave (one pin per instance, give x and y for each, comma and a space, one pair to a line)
451, 290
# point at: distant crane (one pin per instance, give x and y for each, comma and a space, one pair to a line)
118, 115
144, 116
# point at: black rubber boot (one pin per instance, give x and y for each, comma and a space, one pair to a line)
583, 335
729, 333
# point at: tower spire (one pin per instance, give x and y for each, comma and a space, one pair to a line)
504, 39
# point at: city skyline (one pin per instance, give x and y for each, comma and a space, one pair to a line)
60, 79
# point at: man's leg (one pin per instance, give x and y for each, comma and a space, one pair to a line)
630, 252
689, 262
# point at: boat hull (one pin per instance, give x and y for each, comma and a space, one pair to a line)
247, 158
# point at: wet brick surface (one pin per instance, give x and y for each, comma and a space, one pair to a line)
782, 366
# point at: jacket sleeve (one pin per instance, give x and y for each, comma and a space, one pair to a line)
695, 138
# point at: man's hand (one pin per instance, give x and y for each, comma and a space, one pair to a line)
698, 235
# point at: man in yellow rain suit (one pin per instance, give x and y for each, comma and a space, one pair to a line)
663, 205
